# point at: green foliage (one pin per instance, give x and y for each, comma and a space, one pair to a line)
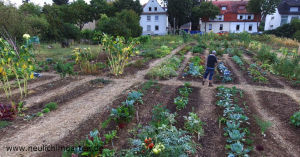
297, 35
110, 136
288, 67
193, 124
60, 2
238, 61
181, 102
263, 7
161, 116
46, 110
144, 39
265, 55
4, 124
256, 74
64, 69
264, 125
180, 10
52, 106
295, 119
121, 5
167, 69
205, 10
125, 23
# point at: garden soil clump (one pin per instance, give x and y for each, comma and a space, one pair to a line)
282, 107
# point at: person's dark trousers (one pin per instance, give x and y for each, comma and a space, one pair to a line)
209, 71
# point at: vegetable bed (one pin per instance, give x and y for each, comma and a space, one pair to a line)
30, 114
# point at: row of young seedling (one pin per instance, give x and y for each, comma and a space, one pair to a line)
235, 120
226, 73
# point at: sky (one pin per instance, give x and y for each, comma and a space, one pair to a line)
41, 2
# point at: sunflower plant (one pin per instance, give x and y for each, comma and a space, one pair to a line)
119, 52
16, 64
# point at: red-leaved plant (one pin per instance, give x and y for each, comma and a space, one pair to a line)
7, 112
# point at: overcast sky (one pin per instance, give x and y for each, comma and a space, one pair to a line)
41, 2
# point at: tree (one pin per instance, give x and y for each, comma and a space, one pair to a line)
30, 8
120, 5
79, 12
98, 7
204, 10
60, 2
180, 11
126, 24
263, 7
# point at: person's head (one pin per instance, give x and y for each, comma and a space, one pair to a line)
213, 52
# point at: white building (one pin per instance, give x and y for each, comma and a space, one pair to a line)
154, 19
233, 18
285, 13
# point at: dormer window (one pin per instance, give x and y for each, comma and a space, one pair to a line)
224, 8
155, 8
294, 9
150, 9
240, 17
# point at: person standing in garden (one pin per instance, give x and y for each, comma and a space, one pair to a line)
210, 68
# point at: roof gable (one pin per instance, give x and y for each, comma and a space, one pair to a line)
152, 4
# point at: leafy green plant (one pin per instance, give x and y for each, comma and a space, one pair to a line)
46, 110
167, 69
51, 106
295, 119
237, 149
256, 74
64, 69
4, 124
110, 136
238, 61
162, 116
264, 125
181, 102
193, 124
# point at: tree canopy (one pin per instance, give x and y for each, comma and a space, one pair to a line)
60, 2
263, 7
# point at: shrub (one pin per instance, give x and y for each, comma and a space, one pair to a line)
266, 56
289, 68
297, 35
64, 69
295, 119
144, 39
51, 106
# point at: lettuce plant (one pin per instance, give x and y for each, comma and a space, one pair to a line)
193, 124
181, 102
295, 119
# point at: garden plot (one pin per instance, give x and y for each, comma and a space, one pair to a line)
32, 112
241, 124
39, 90
253, 74
282, 107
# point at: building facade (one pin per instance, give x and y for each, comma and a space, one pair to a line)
154, 19
233, 18
285, 13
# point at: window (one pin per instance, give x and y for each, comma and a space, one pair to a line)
148, 27
155, 8
150, 9
272, 18
221, 27
148, 18
156, 28
271, 26
156, 18
237, 28
250, 27
294, 9
241, 17
224, 8
284, 20
210, 27
249, 17
217, 18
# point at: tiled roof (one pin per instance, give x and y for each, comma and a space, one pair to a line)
237, 7
284, 7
